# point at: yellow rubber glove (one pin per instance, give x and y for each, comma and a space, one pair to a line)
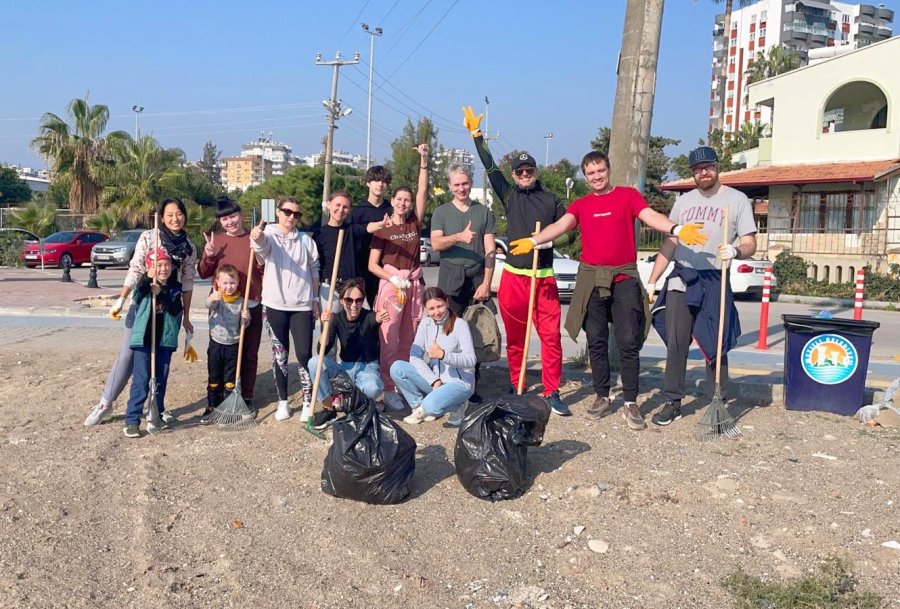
115, 312
190, 354
691, 234
472, 122
521, 246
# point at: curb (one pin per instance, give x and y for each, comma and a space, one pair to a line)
833, 302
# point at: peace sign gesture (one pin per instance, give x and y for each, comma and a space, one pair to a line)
210, 248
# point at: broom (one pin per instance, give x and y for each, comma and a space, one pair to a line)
520, 389
233, 414
154, 422
307, 412
717, 421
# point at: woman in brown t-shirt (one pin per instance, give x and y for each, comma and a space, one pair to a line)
395, 260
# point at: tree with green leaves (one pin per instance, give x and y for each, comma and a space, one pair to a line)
209, 164
725, 144
37, 218
404, 163
79, 150
658, 165
13, 189
107, 221
778, 61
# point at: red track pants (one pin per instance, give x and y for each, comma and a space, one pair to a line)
513, 298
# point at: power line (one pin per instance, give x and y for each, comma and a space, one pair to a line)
444, 16
352, 23
187, 112
393, 6
402, 31
255, 120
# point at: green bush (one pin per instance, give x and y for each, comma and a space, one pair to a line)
10, 248
790, 271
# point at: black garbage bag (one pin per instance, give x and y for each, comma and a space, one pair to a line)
372, 459
492, 446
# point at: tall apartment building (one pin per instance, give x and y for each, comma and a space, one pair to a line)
458, 156
246, 171
281, 155
338, 157
798, 25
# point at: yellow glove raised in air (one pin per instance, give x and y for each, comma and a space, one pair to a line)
522, 246
690, 234
190, 354
472, 122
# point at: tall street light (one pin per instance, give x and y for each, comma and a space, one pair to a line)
137, 120
547, 139
372, 33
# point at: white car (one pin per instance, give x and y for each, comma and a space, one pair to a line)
427, 254
564, 269
746, 276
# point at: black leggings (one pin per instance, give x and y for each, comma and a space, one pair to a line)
283, 325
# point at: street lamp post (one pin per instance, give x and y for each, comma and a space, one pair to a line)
547, 139
372, 34
569, 184
137, 120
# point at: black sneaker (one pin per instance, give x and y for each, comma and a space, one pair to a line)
323, 419
132, 431
671, 411
205, 417
556, 404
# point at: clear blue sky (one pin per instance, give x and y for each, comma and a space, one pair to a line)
546, 67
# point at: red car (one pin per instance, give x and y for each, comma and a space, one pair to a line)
74, 246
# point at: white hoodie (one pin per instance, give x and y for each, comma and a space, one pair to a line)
290, 281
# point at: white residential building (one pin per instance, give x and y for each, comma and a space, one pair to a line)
338, 157
281, 155
797, 25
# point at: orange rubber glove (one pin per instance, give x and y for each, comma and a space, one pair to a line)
690, 234
472, 122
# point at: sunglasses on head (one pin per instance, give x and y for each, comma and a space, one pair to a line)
289, 212
353, 301
524, 171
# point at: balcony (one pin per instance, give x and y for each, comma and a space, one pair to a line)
867, 9
718, 32
883, 32
884, 13
866, 28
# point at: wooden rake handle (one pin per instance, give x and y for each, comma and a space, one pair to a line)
326, 327
531, 294
725, 265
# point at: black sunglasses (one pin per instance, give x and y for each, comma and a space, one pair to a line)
524, 171
289, 212
353, 301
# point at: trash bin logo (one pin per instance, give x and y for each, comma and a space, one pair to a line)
829, 359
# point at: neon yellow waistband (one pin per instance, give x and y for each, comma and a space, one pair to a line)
541, 273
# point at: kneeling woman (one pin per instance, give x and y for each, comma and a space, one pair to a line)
440, 374
356, 332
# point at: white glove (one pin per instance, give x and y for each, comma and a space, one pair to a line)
651, 290
116, 310
727, 252
398, 282
543, 246
406, 284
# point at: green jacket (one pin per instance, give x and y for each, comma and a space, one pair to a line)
170, 301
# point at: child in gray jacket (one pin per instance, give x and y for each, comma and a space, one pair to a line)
440, 374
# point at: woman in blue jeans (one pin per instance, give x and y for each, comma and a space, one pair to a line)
440, 374
355, 330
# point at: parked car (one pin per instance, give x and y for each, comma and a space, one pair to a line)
745, 276
118, 250
12, 240
73, 247
18, 234
564, 269
427, 254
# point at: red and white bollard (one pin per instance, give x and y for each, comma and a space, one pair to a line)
764, 311
858, 296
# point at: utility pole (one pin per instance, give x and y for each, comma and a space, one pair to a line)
137, 120
547, 139
335, 111
487, 136
372, 34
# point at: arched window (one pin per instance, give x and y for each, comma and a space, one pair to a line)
855, 106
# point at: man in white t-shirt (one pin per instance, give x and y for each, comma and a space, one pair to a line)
691, 294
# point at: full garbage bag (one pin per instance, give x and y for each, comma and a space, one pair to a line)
491, 453
371, 459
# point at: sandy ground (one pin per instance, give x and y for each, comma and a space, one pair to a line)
201, 518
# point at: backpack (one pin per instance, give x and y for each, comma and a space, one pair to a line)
485, 332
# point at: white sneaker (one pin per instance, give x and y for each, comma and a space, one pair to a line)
284, 411
417, 416
456, 417
393, 400
168, 417
154, 429
101, 412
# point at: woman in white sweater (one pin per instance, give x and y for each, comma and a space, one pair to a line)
290, 287
440, 374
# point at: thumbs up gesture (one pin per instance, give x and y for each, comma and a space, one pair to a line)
256, 233
435, 351
466, 235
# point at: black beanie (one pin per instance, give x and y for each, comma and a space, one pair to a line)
226, 207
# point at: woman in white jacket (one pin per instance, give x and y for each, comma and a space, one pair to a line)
440, 374
290, 287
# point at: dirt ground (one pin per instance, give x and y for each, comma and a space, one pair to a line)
200, 518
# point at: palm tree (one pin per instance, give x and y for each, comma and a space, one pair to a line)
78, 150
107, 221
142, 175
36, 218
747, 136
778, 61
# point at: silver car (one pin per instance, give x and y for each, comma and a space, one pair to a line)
118, 250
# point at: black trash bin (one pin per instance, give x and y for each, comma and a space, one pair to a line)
825, 363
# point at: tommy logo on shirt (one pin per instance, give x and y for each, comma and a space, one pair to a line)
703, 213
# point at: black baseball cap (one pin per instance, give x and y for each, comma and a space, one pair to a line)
703, 154
523, 159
